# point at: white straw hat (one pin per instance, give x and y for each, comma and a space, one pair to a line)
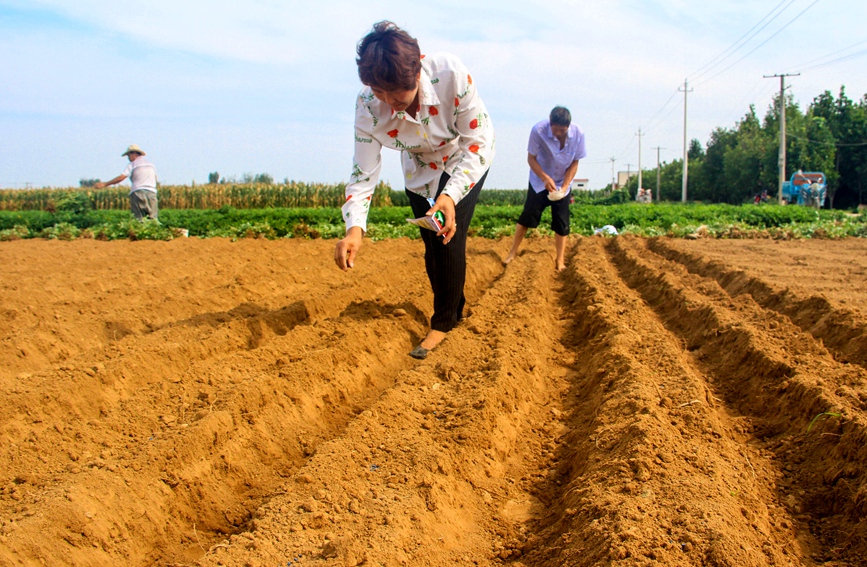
131, 149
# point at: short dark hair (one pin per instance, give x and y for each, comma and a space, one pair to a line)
388, 58
560, 116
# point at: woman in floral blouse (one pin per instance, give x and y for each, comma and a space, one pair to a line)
428, 109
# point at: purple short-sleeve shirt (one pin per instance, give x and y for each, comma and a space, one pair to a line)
553, 160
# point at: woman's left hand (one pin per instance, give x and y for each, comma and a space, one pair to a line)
445, 204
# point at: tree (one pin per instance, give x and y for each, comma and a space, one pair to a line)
77, 203
213, 178
859, 151
795, 123
744, 162
88, 182
695, 151
669, 183
738, 163
712, 187
847, 123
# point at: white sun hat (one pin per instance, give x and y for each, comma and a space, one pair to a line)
131, 149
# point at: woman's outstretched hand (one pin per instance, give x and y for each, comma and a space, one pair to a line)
347, 248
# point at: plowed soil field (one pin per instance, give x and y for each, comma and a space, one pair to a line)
207, 402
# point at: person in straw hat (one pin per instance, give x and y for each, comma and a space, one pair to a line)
143, 184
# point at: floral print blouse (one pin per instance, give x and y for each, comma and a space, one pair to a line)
451, 133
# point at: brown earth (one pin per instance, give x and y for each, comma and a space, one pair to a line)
207, 402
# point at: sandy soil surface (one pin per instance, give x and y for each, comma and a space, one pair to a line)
207, 402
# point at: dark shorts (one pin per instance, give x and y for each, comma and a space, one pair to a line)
536, 203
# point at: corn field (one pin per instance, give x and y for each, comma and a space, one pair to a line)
240, 196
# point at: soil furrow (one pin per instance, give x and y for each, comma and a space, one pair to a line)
433, 472
801, 403
248, 404
68, 309
228, 431
655, 473
841, 329
172, 437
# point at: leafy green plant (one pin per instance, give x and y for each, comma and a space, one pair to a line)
824, 413
145, 230
75, 203
61, 231
489, 221
244, 230
17, 232
256, 230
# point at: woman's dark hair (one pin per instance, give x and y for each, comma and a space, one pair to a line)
560, 116
388, 58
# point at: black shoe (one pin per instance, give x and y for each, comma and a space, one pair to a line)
419, 352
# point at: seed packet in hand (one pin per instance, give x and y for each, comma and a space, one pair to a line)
433, 222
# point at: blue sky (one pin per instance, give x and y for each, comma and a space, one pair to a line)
269, 86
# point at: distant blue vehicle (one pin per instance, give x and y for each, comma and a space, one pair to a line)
806, 188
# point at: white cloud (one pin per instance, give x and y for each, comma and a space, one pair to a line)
271, 83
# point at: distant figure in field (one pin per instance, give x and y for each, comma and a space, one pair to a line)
428, 108
556, 145
143, 184
816, 193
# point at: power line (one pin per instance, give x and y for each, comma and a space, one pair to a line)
752, 32
850, 56
741, 41
772, 36
653, 126
830, 55
828, 143
626, 149
764, 91
658, 112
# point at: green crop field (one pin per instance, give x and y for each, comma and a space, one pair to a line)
296, 210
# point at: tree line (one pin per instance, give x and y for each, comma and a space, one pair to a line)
741, 162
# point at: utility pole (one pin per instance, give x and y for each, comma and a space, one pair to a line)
657, 171
640, 186
685, 90
613, 178
782, 158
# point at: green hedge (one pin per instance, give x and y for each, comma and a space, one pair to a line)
388, 222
